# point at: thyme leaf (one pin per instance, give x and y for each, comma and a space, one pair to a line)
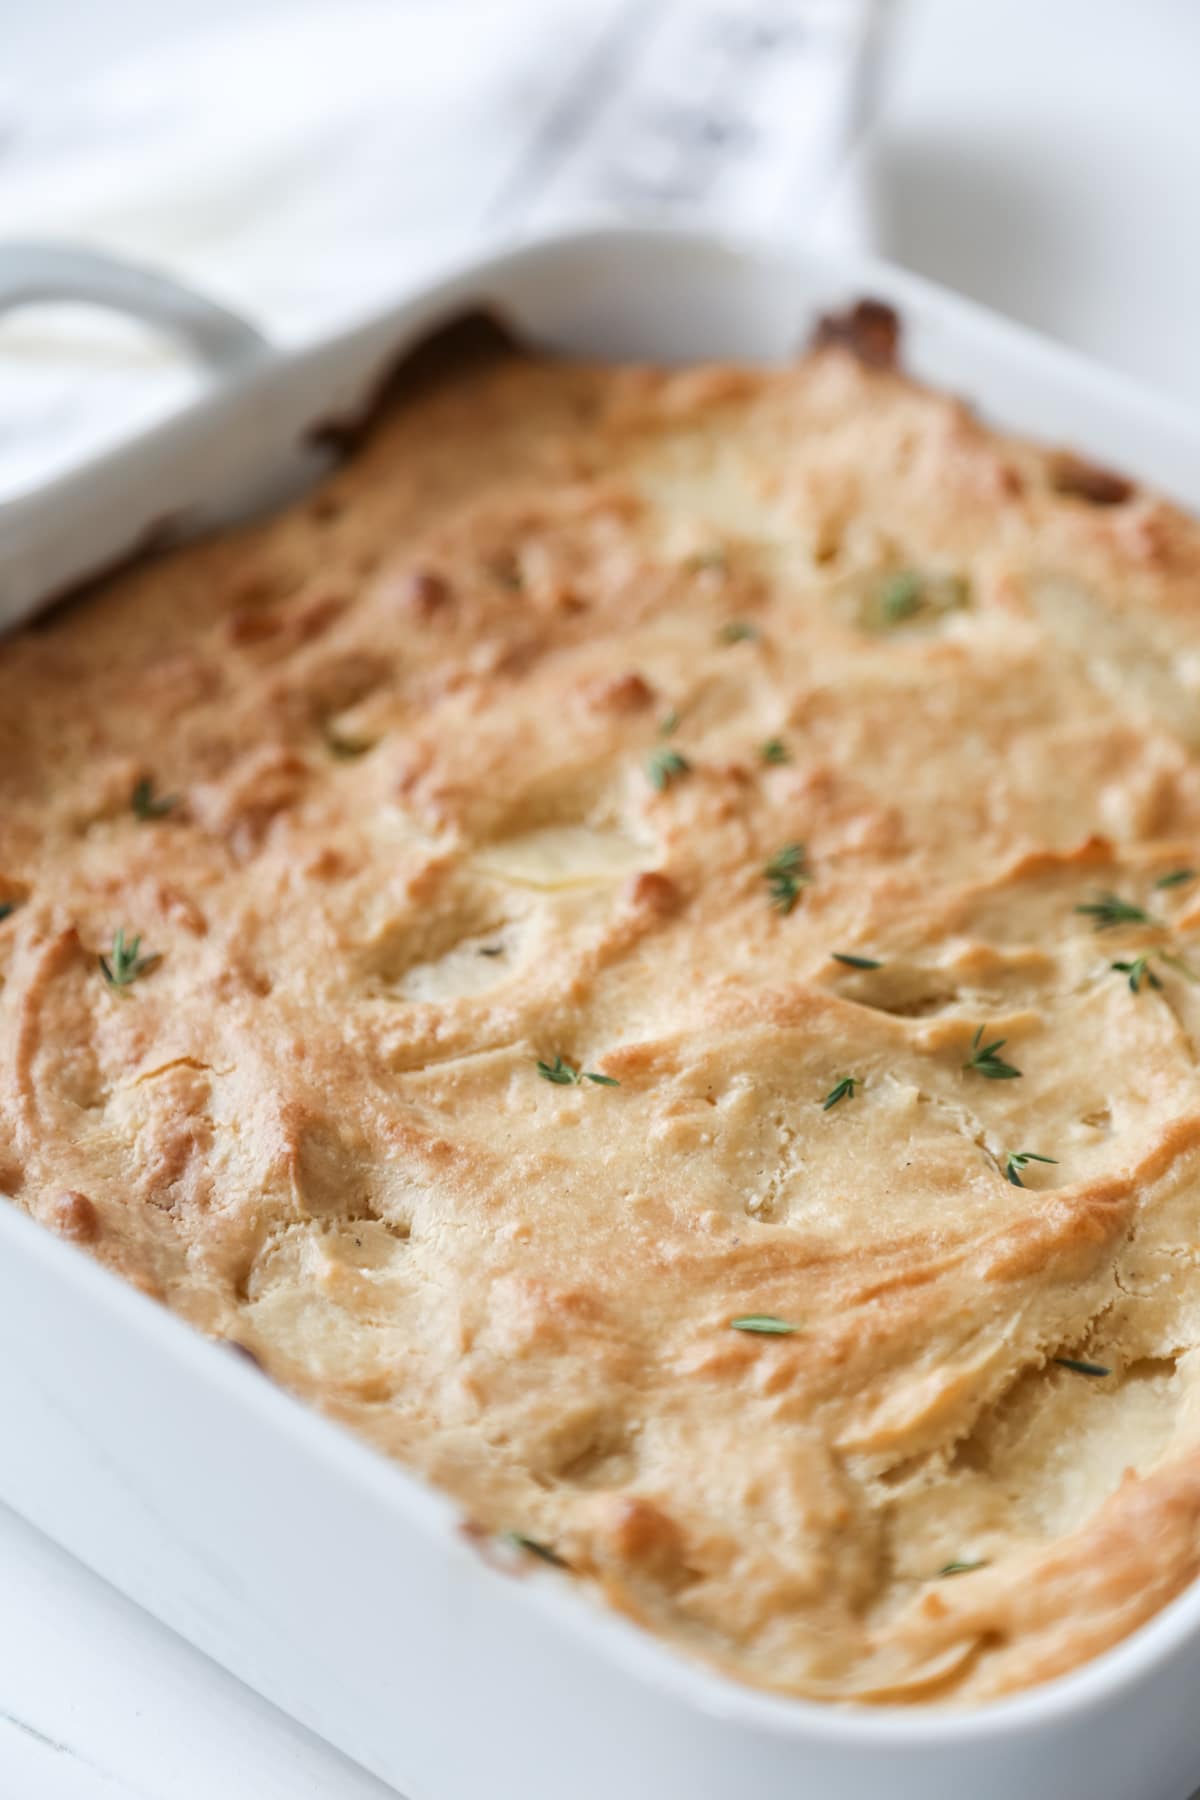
564, 1074
559, 1072
900, 597
665, 766
986, 1060
737, 631
147, 805
785, 875
765, 1324
668, 723
532, 1547
1176, 878
1016, 1160
909, 592
123, 965
7, 908
775, 751
842, 1090
1109, 910
1079, 1367
855, 962
962, 1568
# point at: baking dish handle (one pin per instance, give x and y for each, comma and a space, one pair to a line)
35, 273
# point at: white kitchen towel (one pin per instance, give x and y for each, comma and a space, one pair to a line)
303, 163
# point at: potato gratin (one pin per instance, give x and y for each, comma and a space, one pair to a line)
640, 950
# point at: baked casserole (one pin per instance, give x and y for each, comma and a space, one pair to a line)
639, 949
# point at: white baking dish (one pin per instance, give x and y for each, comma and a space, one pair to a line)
326, 1577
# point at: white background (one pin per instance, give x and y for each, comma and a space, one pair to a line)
1041, 155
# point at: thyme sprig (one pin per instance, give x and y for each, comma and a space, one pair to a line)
147, 804
124, 963
786, 874
985, 1059
900, 597
533, 1547
1016, 1160
1079, 1367
665, 766
910, 592
1138, 968
841, 1090
1109, 910
564, 1074
765, 1324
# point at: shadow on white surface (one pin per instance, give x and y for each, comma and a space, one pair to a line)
966, 215
1042, 159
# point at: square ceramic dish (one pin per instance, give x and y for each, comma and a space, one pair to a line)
326, 1577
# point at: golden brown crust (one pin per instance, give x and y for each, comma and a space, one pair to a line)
477, 760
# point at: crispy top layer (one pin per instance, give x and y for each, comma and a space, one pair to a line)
751, 740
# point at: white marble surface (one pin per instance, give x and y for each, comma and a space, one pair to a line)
99, 1702
1040, 154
